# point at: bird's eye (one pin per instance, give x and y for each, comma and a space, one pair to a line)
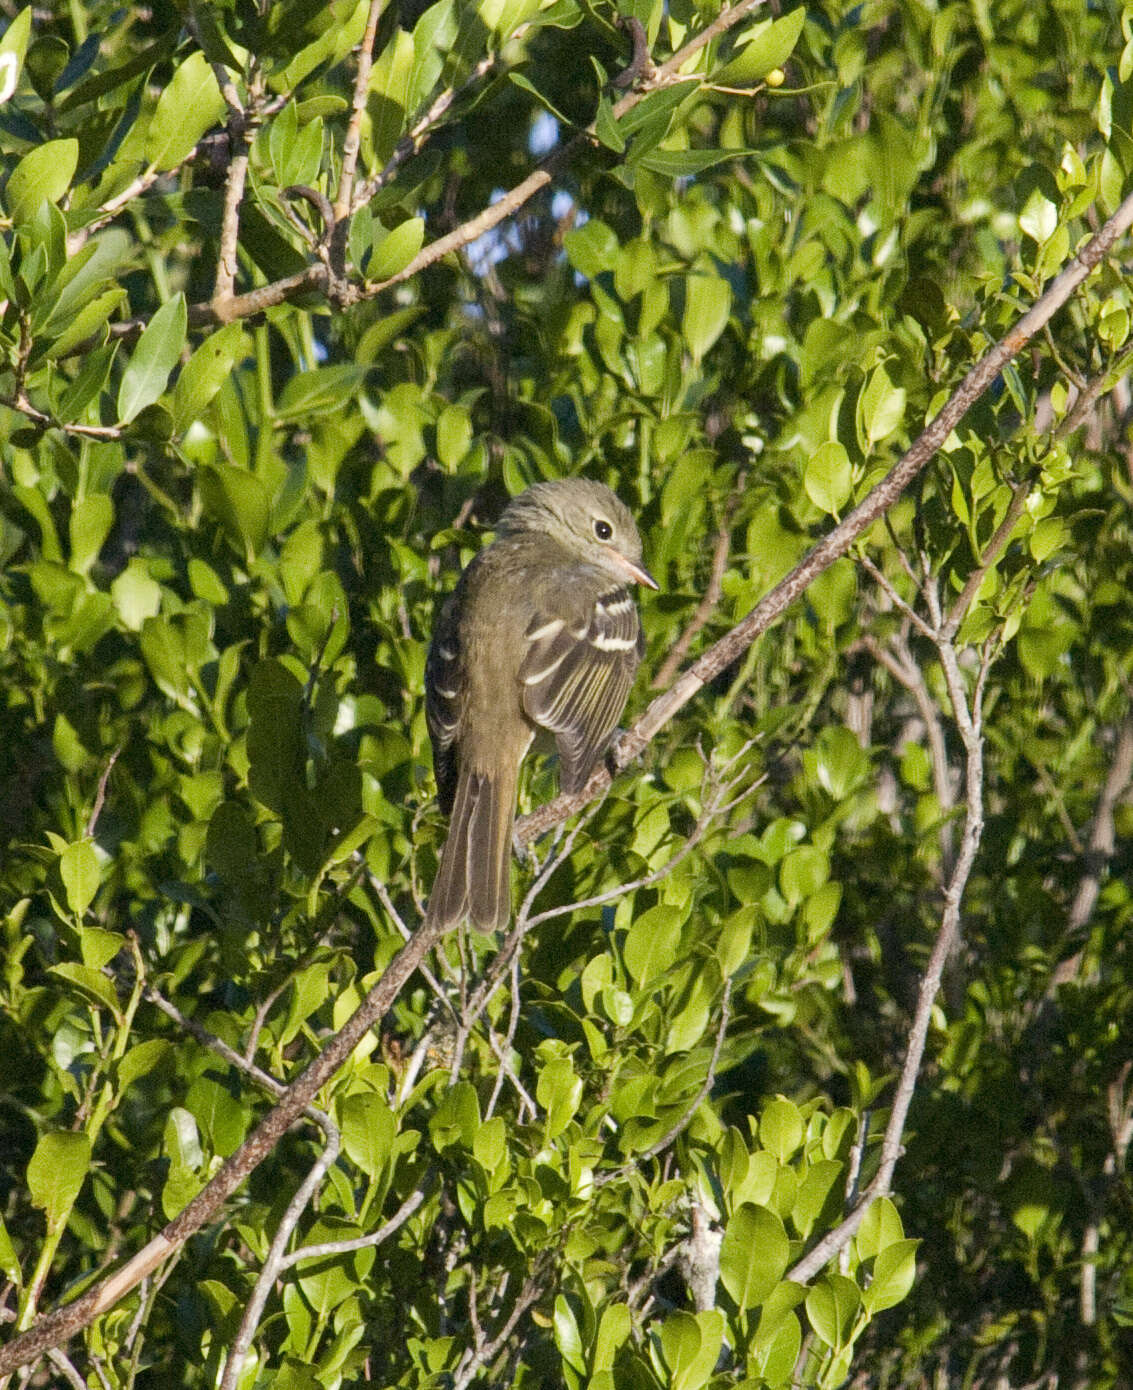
602, 529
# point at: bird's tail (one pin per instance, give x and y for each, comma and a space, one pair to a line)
473, 878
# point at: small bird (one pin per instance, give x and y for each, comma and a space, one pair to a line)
541, 632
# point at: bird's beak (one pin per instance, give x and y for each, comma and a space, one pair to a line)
638, 573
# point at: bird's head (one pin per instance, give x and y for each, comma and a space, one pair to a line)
587, 519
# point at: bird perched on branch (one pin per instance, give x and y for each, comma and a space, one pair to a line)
541, 632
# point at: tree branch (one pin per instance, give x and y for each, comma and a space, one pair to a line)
836, 544
969, 723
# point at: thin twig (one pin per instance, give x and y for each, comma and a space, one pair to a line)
240, 123
474, 1358
353, 139
883, 582
100, 793
992, 552
674, 1133
502, 1047
344, 1247
1099, 852
274, 1261
969, 723
66, 1368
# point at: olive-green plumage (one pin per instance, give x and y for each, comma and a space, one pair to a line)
540, 633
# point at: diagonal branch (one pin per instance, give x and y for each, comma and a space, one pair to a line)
836, 543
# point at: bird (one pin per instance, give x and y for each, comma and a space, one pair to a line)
540, 633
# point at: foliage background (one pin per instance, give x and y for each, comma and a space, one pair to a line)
224, 525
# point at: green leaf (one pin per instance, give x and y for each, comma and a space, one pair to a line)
153, 359
99, 947
690, 1347
568, 1338
205, 373
770, 44
802, 873
91, 520
893, 1272
559, 1091
56, 1172
240, 502
614, 1328
218, 1113
368, 1131
78, 867
591, 248
781, 1128
13, 47
140, 1060
395, 250
753, 1255
454, 435
606, 126
9, 1260
881, 1227
189, 105
181, 1139
708, 302
92, 378
91, 984
829, 477
680, 164
1039, 217
87, 323
320, 391
819, 1194
43, 174
774, 1357
389, 94
881, 407
652, 941
526, 85
136, 594
832, 1307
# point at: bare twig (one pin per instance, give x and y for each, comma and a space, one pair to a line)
676, 1130
100, 794
241, 120
1099, 852
23, 405
883, 582
898, 660
502, 1047
351, 143
66, 1368
476, 1357
274, 1261
378, 1237
994, 549
968, 717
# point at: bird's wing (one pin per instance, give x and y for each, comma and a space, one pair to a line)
576, 674
443, 685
